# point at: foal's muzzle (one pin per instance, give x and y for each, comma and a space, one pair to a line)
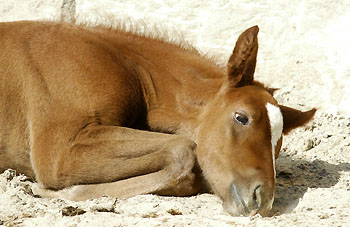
248, 201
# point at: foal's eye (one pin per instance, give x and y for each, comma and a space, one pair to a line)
241, 118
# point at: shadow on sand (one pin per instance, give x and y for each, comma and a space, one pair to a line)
294, 177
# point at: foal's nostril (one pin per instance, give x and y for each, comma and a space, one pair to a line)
257, 196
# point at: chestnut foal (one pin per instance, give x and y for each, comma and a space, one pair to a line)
89, 112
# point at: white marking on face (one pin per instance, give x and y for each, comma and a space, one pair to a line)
276, 126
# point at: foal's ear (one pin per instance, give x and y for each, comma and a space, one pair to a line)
241, 65
293, 118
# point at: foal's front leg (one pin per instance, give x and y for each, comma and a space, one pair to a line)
118, 162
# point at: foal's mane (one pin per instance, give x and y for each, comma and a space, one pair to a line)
152, 31
142, 29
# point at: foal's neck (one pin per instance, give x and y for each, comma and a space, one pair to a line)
180, 99
177, 83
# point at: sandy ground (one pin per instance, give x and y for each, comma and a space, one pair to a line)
304, 51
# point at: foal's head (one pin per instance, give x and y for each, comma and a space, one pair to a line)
241, 134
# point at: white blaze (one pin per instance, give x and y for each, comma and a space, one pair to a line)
276, 126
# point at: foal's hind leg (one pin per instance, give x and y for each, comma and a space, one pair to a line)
118, 162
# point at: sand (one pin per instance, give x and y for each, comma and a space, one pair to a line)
304, 50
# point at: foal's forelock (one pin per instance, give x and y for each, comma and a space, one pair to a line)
276, 126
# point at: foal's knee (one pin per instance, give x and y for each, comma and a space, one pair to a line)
182, 156
181, 181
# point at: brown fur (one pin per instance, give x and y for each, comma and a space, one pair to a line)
93, 111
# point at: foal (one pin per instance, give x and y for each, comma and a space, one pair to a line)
89, 112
